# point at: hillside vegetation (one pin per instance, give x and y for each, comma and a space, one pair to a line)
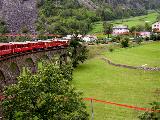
130, 22
67, 16
76, 16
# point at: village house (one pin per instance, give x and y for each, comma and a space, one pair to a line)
89, 38
68, 37
156, 27
120, 29
145, 34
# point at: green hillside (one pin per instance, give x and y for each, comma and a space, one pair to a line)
133, 21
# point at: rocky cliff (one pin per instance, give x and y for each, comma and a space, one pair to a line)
19, 14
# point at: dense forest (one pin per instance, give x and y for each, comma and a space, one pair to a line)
64, 17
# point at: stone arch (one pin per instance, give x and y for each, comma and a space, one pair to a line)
14, 69
56, 58
63, 59
30, 64
45, 57
2, 81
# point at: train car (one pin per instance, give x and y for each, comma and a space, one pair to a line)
47, 43
60, 43
36, 45
65, 43
5, 49
19, 47
53, 44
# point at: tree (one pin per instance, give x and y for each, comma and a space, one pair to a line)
140, 28
107, 28
47, 95
3, 27
148, 27
77, 52
133, 30
158, 17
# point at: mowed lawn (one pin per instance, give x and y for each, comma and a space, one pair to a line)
99, 80
148, 54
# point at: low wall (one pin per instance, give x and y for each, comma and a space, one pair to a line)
132, 67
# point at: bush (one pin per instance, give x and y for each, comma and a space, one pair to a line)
116, 39
146, 38
151, 115
111, 49
125, 42
139, 40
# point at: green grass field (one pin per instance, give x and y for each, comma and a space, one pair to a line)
97, 79
137, 56
133, 21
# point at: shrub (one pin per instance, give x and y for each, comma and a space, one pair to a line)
125, 42
111, 49
139, 40
151, 115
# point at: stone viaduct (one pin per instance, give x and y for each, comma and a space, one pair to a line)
13, 66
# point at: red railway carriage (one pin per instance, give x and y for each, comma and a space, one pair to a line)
48, 43
20, 47
5, 48
36, 44
64, 42
59, 43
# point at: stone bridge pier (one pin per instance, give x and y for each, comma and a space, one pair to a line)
11, 68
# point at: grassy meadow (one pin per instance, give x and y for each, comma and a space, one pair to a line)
137, 56
99, 80
133, 21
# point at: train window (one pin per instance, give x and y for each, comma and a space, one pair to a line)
2, 47
19, 46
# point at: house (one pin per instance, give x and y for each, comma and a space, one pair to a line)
68, 37
145, 34
120, 30
89, 38
156, 27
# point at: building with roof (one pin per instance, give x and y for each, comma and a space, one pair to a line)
145, 34
156, 27
120, 30
89, 38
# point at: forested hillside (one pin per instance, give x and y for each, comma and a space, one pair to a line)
147, 4
77, 16
64, 17
68, 16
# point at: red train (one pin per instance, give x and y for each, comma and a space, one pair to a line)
19, 47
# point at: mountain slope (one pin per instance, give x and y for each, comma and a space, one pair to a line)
22, 14
88, 3
19, 14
